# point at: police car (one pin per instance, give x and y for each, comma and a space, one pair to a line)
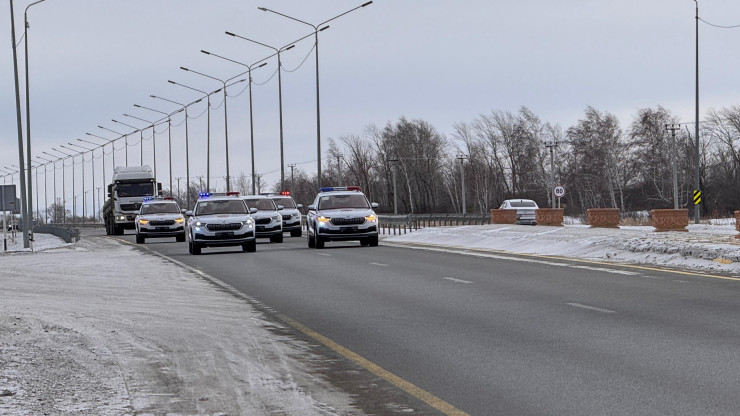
218, 220
341, 214
159, 217
267, 220
290, 212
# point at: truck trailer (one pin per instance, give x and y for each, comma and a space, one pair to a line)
127, 190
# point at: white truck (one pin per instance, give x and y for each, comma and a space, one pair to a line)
127, 190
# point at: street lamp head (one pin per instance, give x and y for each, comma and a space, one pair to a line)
324, 28
184, 69
230, 34
137, 106
263, 64
171, 81
264, 9
153, 96
205, 52
367, 4
289, 48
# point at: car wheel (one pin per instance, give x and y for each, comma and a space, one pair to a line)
277, 238
180, 238
311, 242
296, 233
364, 242
140, 239
196, 248
250, 246
319, 243
373, 241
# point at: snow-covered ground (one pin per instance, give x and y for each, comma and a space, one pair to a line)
100, 328
704, 247
95, 328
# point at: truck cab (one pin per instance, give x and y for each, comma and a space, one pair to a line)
126, 192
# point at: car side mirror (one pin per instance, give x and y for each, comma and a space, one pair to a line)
184, 211
188, 213
312, 207
299, 206
253, 210
374, 205
280, 207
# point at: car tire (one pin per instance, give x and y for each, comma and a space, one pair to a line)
319, 243
311, 242
196, 249
180, 238
140, 239
250, 246
373, 241
364, 242
277, 238
296, 233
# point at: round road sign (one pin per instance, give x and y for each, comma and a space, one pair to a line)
559, 191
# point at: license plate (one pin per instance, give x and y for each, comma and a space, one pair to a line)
225, 234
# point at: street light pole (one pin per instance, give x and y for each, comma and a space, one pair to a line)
102, 148
318, 101
280, 98
92, 167
64, 177
208, 132
125, 144
19, 124
154, 143
697, 183
169, 135
141, 141
187, 147
226, 120
251, 118
74, 198
54, 187
29, 215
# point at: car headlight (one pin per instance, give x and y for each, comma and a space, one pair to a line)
180, 220
121, 218
198, 223
371, 218
143, 221
277, 218
323, 219
248, 223
296, 215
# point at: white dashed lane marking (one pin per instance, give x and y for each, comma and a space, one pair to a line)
456, 280
590, 308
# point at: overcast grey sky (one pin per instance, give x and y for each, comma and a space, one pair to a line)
441, 61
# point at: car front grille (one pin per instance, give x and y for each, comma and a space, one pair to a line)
287, 217
348, 221
224, 227
162, 222
130, 207
262, 221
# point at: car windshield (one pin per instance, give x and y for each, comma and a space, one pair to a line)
135, 189
230, 206
160, 208
262, 204
523, 204
285, 202
343, 201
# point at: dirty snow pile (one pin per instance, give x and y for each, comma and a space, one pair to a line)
704, 247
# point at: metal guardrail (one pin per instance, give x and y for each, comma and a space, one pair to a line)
402, 224
66, 233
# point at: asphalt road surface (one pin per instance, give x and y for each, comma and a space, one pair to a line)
492, 335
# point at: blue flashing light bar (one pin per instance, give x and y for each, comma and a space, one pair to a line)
204, 194
339, 188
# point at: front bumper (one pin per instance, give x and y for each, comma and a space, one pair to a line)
340, 233
153, 232
268, 230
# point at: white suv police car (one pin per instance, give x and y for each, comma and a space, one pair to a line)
267, 220
159, 217
219, 220
290, 212
341, 214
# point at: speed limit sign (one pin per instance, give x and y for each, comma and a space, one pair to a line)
559, 191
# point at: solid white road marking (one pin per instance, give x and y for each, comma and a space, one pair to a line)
591, 308
452, 279
378, 264
324, 254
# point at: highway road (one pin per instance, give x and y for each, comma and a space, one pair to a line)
490, 334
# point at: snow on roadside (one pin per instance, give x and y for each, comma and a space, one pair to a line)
703, 247
98, 328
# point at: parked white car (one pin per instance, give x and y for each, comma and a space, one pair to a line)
525, 210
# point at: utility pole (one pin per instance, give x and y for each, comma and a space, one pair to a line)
552, 145
673, 128
461, 157
292, 178
179, 195
394, 162
697, 215
339, 169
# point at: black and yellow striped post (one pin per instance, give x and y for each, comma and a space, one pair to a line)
697, 197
